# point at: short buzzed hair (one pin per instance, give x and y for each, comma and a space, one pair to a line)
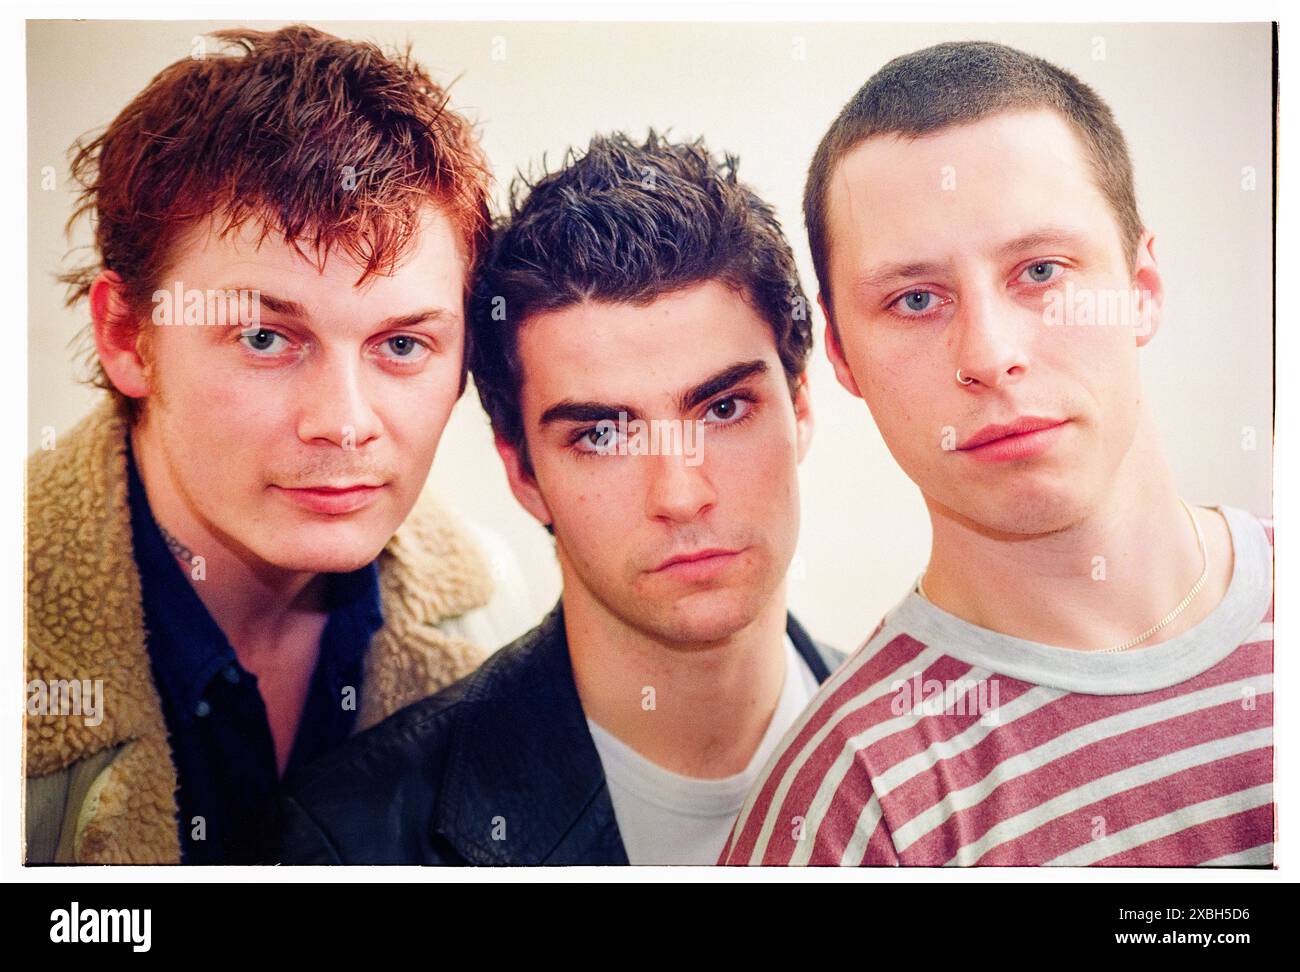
958, 83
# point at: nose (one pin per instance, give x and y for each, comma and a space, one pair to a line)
335, 408
677, 492
992, 347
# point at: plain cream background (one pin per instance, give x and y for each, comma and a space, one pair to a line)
1193, 100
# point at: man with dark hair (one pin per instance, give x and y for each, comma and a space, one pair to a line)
1083, 673
229, 564
640, 338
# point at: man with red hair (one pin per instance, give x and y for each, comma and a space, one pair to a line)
230, 567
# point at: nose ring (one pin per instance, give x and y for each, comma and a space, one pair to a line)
961, 380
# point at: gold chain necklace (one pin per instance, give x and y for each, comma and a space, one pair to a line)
1168, 618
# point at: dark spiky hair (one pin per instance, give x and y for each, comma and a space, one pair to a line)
627, 222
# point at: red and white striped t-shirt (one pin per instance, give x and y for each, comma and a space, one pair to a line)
940, 742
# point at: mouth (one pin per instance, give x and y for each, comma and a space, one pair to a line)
1022, 439
698, 564
332, 500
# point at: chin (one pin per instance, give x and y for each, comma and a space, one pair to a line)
337, 555
1031, 512
705, 617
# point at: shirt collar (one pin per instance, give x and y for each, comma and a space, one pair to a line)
1234, 621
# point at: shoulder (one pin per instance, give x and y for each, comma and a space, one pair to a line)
1246, 526
820, 764
1265, 524
372, 799
813, 651
432, 578
414, 738
434, 564
862, 688
376, 798
508, 613
78, 478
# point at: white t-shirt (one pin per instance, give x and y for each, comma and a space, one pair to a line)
665, 818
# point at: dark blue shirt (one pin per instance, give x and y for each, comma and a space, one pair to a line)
220, 737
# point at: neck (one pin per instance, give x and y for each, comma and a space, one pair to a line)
257, 605
698, 709
1118, 569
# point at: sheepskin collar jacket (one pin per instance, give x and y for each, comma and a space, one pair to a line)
103, 789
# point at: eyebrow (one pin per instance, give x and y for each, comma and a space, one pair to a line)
888, 273
1045, 236
879, 278
571, 411
285, 307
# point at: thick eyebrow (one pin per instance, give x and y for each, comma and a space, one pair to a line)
719, 383
592, 412
292, 309
588, 412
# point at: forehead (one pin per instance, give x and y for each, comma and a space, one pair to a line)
965, 188
622, 352
432, 268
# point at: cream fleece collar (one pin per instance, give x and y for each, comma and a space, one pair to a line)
85, 621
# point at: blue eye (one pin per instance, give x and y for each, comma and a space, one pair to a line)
1041, 272
405, 348
260, 339
917, 301
403, 345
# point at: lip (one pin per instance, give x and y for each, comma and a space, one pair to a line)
698, 564
332, 500
1024, 438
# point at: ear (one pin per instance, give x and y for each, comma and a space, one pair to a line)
803, 416
836, 353
118, 336
1150, 289
523, 483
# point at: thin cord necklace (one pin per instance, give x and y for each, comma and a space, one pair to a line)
1168, 618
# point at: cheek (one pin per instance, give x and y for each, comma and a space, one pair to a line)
217, 424
415, 412
584, 504
201, 381
767, 465
208, 408
216, 442
755, 476
602, 528
1101, 360
901, 394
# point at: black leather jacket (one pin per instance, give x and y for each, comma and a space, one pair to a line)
498, 768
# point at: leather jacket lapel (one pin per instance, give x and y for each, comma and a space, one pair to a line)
525, 784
